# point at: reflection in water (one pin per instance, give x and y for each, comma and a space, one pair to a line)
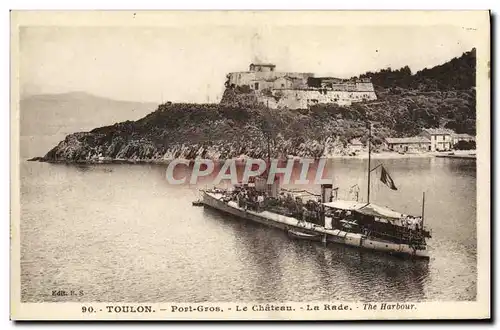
122, 233
466, 167
339, 272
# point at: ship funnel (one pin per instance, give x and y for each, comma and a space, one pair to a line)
326, 193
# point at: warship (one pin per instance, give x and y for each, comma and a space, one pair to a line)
325, 218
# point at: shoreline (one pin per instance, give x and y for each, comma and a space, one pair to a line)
469, 154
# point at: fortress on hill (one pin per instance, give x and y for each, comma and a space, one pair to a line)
298, 90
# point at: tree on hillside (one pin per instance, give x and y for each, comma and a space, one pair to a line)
457, 74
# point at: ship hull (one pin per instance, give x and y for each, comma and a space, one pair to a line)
271, 219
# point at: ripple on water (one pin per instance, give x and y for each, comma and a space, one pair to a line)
124, 234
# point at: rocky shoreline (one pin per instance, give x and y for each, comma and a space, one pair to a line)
385, 155
468, 154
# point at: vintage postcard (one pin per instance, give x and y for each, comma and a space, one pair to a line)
238, 165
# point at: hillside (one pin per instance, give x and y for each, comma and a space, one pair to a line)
443, 95
457, 74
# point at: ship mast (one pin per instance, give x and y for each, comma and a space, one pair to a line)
369, 162
268, 140
423, 208
268, 136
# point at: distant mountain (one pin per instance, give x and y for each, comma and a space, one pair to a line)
48, 114
48, 118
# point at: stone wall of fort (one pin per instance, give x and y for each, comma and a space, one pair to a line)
298, 90
303, 99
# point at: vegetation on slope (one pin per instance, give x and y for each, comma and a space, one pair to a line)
444, 95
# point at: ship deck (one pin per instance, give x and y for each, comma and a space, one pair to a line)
330, 235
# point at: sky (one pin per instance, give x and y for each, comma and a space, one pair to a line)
189, 64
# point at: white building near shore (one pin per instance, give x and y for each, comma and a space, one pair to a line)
441, 138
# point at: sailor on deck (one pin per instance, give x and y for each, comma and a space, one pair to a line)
260, 202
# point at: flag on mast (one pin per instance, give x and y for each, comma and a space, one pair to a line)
386, 179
